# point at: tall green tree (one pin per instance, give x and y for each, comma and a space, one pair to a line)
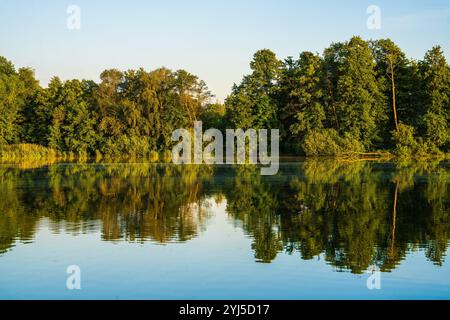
252, 104
436, 82
30, 99
359, 100
73, 121
389, 59
302, 97
10, 102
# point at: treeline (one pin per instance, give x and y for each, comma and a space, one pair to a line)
127, 113
358, 96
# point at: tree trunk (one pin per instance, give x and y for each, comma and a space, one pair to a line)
394, 107
394, 218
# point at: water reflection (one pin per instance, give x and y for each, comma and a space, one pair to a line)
353, 214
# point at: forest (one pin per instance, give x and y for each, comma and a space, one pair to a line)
356, 97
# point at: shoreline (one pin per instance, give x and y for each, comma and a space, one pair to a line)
16, 154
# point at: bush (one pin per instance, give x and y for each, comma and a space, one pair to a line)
406, 145
327, 142
154, 156
350, 144
437, 129
126, 146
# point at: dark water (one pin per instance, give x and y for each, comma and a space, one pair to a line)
144, 231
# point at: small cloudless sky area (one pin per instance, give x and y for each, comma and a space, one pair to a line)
212, 39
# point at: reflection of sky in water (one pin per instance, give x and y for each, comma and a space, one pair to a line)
217, 264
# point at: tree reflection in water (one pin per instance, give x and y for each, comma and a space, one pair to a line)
352, 214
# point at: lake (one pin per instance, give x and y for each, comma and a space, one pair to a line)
320, 229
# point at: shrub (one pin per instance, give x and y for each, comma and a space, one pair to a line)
321, 142
405, 143
327, 142
154, 156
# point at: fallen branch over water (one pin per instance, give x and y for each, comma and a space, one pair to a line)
365, 156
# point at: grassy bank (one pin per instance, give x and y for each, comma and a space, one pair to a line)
36, 153
27, 152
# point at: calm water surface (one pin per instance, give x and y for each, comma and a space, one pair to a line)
145, 231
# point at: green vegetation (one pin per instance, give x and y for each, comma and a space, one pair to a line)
357, 97
128, 114
27, 152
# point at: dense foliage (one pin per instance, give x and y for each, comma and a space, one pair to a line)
358, 96
127, 113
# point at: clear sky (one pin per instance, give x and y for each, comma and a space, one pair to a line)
212, 39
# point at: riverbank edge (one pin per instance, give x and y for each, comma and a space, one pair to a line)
31, 152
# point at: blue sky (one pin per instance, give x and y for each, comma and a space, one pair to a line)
212, 39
